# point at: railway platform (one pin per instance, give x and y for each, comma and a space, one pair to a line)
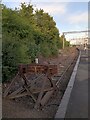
74, 103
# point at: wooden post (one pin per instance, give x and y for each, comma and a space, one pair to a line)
37, 104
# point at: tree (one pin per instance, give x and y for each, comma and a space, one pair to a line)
26, 35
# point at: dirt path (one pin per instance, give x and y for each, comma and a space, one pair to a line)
12, 109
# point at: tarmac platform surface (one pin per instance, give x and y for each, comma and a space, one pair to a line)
77, 104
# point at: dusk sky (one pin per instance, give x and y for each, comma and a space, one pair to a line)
69, 16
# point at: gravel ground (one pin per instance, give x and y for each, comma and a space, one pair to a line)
23, 107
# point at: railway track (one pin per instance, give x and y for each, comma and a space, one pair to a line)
64, 71
24, 106
61, 83
41, 88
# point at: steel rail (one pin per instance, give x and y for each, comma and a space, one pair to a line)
59, 80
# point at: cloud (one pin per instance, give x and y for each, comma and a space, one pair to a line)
78, 18
19, 1
53, 8
50, 1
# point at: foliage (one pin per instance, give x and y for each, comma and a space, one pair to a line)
26, 34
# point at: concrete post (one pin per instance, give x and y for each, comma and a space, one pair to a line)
36, 60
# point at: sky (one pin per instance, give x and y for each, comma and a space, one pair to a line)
69, 15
